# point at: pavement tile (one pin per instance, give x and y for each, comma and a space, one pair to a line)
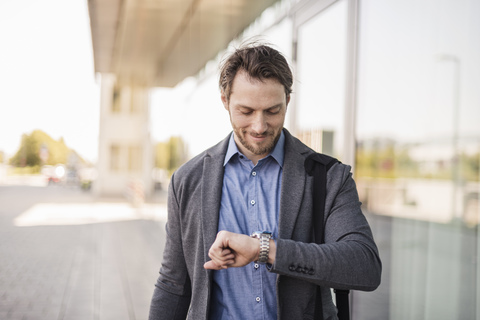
97, 271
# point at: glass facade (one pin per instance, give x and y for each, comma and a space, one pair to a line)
390, 87
320, 79
417, 155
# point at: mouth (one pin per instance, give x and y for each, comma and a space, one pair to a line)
258, 137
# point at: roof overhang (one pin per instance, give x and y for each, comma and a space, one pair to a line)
161, 42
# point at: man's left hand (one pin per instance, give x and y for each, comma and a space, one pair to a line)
232, 250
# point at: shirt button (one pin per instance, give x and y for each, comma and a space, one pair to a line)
254, 173
256, 265
252, 202
257, 299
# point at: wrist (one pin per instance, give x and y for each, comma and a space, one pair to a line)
273, 251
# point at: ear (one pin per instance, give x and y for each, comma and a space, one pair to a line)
288, 100
224, 101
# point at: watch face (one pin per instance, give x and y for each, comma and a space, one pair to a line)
259, 234
256, 234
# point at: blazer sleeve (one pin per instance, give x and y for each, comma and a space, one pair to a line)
349, 258
171, 297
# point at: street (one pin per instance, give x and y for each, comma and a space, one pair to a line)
59, 263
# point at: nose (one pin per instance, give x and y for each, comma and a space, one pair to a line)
259, 124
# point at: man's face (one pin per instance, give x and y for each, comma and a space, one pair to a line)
257, 112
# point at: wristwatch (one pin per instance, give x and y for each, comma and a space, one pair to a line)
264, 237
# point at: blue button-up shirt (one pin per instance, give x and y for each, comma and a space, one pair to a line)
250, 202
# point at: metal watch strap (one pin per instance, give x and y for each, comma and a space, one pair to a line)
264, 238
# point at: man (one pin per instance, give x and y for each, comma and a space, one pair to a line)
254, 182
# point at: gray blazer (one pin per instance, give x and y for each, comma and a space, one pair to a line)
348, 260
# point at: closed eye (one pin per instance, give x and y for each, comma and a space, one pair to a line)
274, 110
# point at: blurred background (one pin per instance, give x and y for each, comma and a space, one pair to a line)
102, 100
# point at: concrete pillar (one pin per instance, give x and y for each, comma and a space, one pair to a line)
125, 158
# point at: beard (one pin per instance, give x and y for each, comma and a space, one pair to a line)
258, 149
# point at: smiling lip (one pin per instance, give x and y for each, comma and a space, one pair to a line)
258, 138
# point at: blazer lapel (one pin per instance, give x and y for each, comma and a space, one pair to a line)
212, 184
209, 206
293, 185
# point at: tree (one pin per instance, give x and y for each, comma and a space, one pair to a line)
39, 148
170, 155
384, 159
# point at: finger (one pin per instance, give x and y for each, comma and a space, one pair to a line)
210, 265
224, 262
227, 255
223, 254
226, 252
213, 265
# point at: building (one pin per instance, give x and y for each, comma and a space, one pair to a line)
402, 72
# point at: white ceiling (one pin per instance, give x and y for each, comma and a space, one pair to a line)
160, 42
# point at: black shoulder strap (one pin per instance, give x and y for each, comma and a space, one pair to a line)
321, 158
317, 165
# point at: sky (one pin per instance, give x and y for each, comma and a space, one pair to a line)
47, 78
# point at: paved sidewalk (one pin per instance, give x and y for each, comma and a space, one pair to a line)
58, 262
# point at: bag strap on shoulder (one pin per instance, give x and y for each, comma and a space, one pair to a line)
317, 165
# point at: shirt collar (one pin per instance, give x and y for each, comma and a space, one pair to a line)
278, 152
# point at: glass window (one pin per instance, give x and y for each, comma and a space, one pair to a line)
321, 79
418, 155
115, 158
116, 100
135, 158
134, 100
137, 99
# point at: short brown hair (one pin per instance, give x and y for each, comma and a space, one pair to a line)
260, 62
